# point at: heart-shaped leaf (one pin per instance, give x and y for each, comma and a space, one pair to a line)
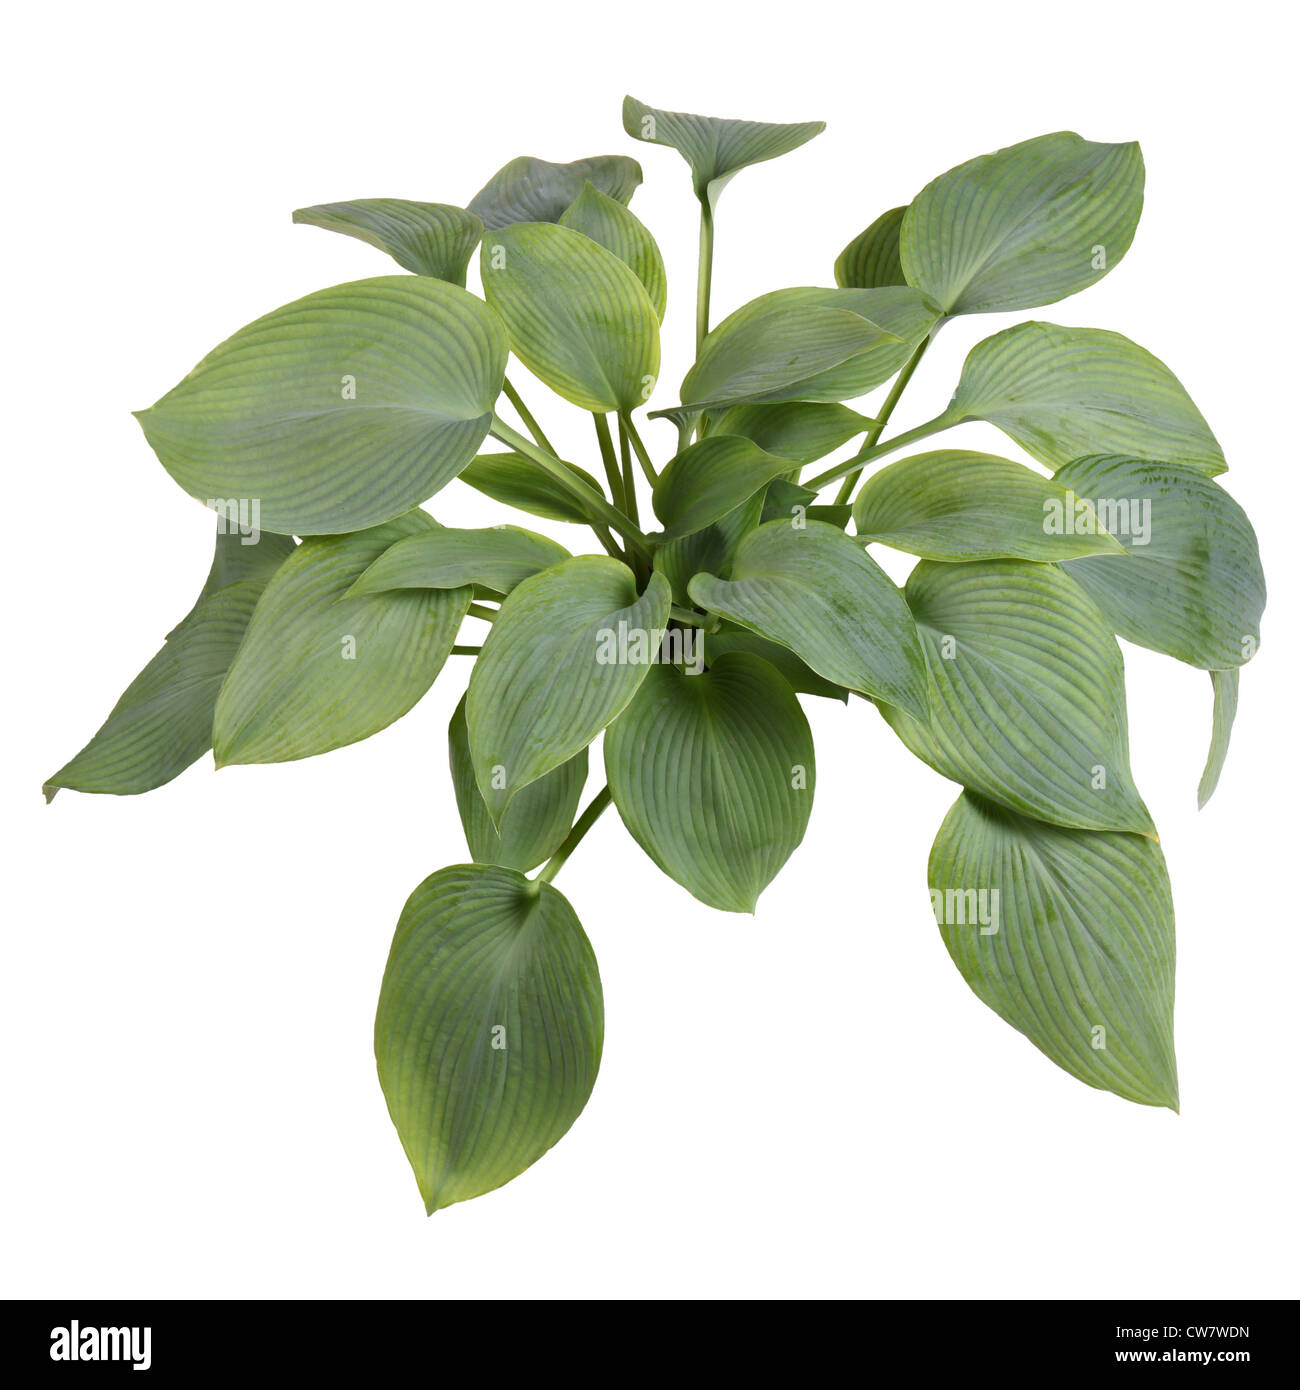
812, 589
578, 317
1191, 584
1024, 226
536, 821
432, 239
711, 549
1069, 936
607, 221
799, 676
489, 1028
800, 431
871, 260
1027, 693
535, 190
163, 720
1063, 393
318, 669
715, 149
709, 479
713, 776
497, 558
1225, 713
956, 505
518, 482
338, 411
565, 655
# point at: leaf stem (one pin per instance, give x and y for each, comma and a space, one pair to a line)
477, 610
899, 441
465, 651
572, 840
617, 490
872, 437
704, 284
629, 474
688, 616
642, 453
526, 415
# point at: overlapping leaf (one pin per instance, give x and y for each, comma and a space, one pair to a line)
871, 260
709, 479
607, 221
432, 239
800, 431
495, 557
518, 482
1225, 713
535, 190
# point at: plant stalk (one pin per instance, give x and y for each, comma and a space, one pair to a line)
869, 455
573, 839
872, 437
704, 284
526, 415
617, 486
642, 453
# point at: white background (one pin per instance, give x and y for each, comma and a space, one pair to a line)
806, 1103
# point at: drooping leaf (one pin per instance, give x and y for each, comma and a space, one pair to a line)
496, 557
1024, 226
713, 776
709, 479
800, 431
535, 190
518, 482
1069, 936
607, 221
1063, 393
432, 239
1027, 693
1225, 712
1190, 584
871, 260
319, 669
566, 654
799, 676
578, 317
163, 720
536, 821
339, 411
814, 590
715, 149
711, 549
489, 1028
957, 505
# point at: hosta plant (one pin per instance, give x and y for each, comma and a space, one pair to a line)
733, 574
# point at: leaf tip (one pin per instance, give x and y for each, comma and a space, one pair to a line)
50, 790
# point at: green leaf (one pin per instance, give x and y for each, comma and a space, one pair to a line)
497, 558
800, 431
871, 260
813, 590
1225, 712
709, 479
956, 505
715, 149
775, 347
319, 669
1191, 584
432, 239
1069, 936
163, 720
798, 674
711, 549
1025, 226
1063, 393
607, 221
552, 673
518, 482
713, 776
489, 1028
536, 821
578, 317
339, 411
535, 190
1027, 693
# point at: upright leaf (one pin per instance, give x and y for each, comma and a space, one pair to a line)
432, 239
535, 190
956, 505
518, 482
496, 558
607, 221
709, 479
565, 655
319, 669
163, 720
577, 316
711, 549
715, 149
489, 1028
1069, 936
813, 590
1225, 712
1026, 693
871, 260
1062, 393
713, 776
1025, 226
339, 411
1190, 584
536, 821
